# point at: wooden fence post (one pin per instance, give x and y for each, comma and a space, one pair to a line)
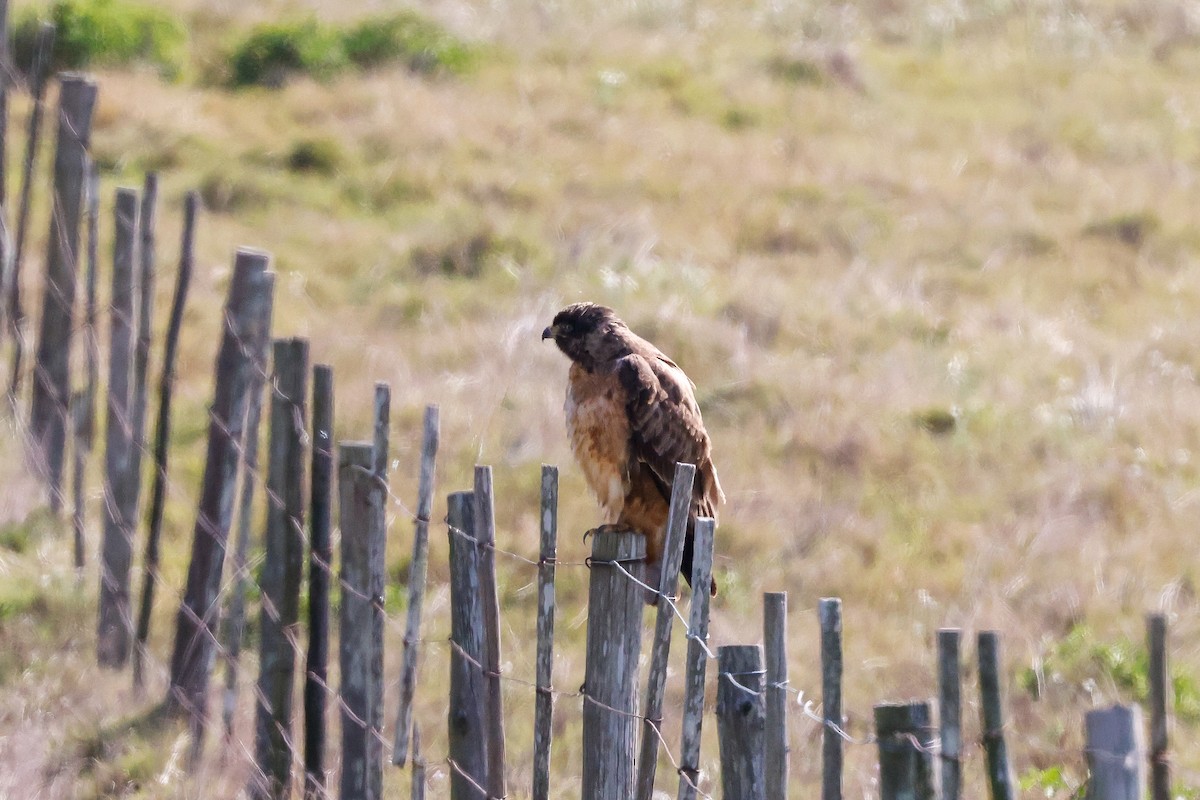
614, 640
418, 765
1115, 752
51, 378
829, 612
485, 540
905, 736
362, 586
320, 567
116, 550
85, 414
247, 318
741, 721
950, 711
378, 562
39, 70
775, 653
467, 711
416, 584
281, 571
660, 646
1159, 679
141, 352
6, 66
697, 659
543, 714
162, 431
999, 776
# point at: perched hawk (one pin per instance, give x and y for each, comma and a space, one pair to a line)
631, 415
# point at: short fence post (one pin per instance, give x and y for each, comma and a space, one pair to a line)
247, 320
485, 540
614, 640
697, 659
51, 374
950, 711
660, 646
829, 611
416, 584
359, 491
741, 721
320, 567
1115, 753
116, 548
281, 571
544, 705
1159, 679
775, 653
467, 711
905, 736
1000, 782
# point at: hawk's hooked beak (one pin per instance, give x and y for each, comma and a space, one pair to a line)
547, 334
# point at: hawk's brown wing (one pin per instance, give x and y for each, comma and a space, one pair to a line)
665, 426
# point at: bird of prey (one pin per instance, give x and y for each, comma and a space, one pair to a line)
631, 415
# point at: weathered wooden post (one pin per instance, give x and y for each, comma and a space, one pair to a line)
320, 567
1115, 752
467, 711
544, 709
741, 721
141, 352
378, 561
775, 647
162, 430
247, 319
51, 374
418, 765
660, 646
697, 659
39, 70
1159, 680
905, 736
829, 612
950, 711
416, 584
485, 540
614, 641
281, 571
84, 403
999, 776
116, 549
362, 588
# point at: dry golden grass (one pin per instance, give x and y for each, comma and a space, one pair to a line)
933, 267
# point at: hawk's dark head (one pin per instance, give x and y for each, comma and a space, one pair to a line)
589, 334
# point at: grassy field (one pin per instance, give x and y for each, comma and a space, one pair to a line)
934, 268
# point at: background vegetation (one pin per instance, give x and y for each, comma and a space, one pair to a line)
934, 267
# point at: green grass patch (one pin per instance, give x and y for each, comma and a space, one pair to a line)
405, 37
106, 33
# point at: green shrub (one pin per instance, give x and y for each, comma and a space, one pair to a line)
420, 44
105, 33
321, 156
276, 51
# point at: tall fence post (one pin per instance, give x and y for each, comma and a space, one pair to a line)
416, 584
660, 646
359, 492
614, 640
141, 352
775, 653
485, 540
543, 731
950, 711
697, 659
829, 612
281, 571
1159, 679
905, 736
38, 73
247, 317
320, 567
378, 562
51, 379
467, 711
999, 776
85, 413
116, 549
162, 431
741, 721
1115, 753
